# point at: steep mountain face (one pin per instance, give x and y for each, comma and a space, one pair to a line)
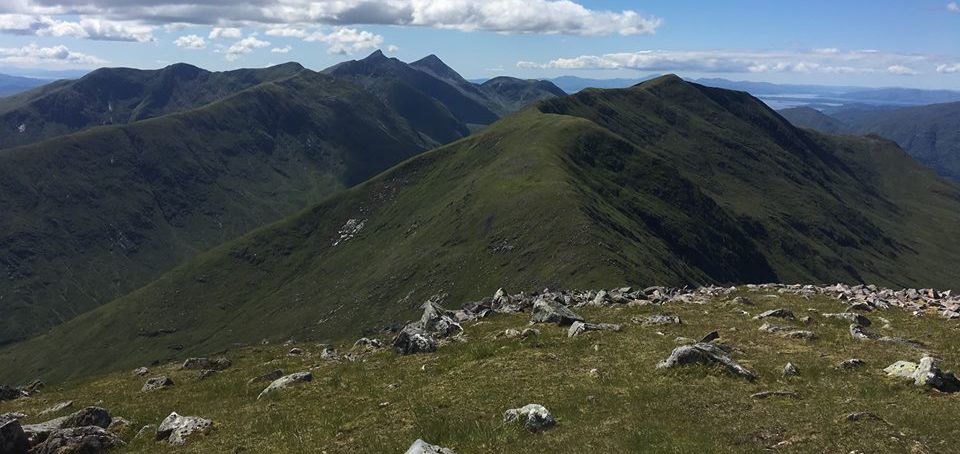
502, 95
422, 96
664, 183
931, 134
808, 117
90, 216
120, 95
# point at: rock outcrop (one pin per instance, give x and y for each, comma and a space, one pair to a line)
156, 383
925, 373
176, 429
707, 354
286, 382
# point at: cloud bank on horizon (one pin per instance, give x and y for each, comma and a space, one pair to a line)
64, 32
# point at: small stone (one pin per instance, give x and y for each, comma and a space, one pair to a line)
295, 352
790, 370
141, 371
511, 333
56, 408
368, 344
710, 337
534, 417
578, 328
267, 377
769, 394
777, 313
853, 363
156, 383
206, 363
529, 332
205, 374
743, 300
595, 373
850, 317
422, 447
658, 319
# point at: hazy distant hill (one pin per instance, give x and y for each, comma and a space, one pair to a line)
11, 85
665, 183
931, 134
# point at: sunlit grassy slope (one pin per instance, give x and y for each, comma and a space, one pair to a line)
456, 397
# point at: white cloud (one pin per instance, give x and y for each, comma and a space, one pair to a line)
245, 46
86, 28
225, 32
503, 16
347, 40
34, 55
287, 32
826, 61
281, 50
953, 7
191, 42
901, 70
948, 68
391, 49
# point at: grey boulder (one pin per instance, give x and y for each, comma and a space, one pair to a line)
551, 311
78, 440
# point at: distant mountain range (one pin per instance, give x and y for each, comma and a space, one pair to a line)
931, 134
121, 175
668, 182
781, 96
10, 85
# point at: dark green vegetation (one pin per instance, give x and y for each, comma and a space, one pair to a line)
456, 397
91, 216
121, 95
667, 182
931, 134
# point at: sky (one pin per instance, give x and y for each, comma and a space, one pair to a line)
914, 43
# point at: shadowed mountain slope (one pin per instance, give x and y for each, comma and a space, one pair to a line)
667, 183
90, 216
119, 96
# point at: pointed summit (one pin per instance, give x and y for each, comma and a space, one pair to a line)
435, 66
375, 56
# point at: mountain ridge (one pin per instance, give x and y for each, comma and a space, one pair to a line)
657, 183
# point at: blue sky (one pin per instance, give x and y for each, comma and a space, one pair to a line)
912, 43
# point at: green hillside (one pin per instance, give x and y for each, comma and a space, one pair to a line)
121, 95
91, 216
667, 183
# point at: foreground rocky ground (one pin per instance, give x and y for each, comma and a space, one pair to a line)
787, 368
